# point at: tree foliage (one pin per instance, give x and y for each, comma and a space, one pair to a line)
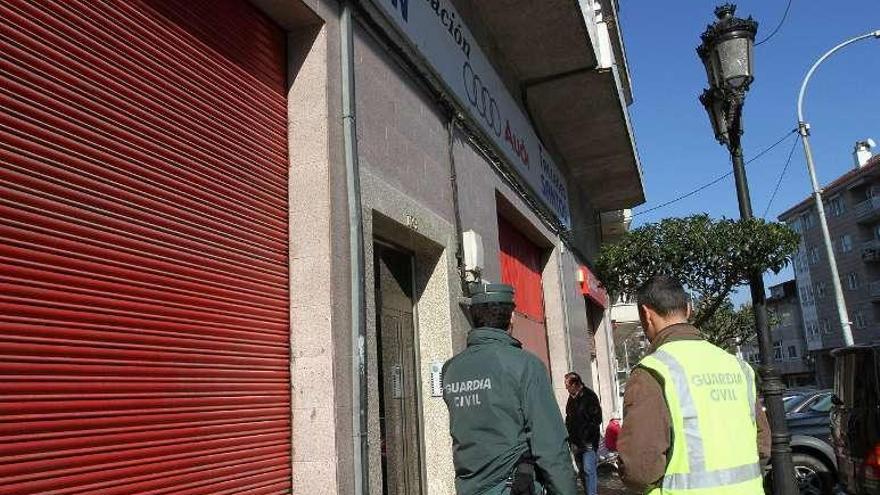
729, 327
710, 257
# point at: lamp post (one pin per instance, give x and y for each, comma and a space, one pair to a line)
804, 130
726, 52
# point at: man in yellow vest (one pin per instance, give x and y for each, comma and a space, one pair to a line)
691, 423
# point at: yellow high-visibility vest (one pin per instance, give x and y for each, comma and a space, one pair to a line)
711, 399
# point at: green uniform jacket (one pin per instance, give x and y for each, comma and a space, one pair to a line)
501, 403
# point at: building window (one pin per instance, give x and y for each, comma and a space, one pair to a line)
852, 280
814, 255
795, 225
792, 352
836, 206
826, 328
859, 319
777, 351
877, 231
821, 289
808, 220
846, 244
785, 320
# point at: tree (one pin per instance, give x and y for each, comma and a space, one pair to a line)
731, 327
710, 257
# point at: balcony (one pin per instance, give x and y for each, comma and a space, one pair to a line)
575, 85
868, 211
871, 251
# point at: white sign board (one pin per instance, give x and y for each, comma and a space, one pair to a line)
436, 30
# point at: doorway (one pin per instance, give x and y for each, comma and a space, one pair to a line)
398, 372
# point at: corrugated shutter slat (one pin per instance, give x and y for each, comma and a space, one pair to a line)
144, 309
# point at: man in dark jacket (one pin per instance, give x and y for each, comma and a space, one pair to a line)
502, 410
583, 415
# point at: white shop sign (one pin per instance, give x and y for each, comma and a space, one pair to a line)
435, 29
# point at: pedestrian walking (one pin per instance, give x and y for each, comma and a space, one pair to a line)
507, 431
583, 415
691, 421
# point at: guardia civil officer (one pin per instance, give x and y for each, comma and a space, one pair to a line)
691, 421
507, 430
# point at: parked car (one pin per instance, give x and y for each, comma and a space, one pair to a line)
809, 423
807, 414
793, 397
855, 418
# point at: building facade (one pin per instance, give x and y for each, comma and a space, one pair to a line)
237, 236
789, 347
852, 208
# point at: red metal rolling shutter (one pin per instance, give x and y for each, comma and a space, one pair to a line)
144, 329
521, 262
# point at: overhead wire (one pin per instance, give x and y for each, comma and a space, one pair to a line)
717, 179
778, 26
781, 176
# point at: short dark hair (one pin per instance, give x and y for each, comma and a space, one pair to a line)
574, 377
494, 315
663, 294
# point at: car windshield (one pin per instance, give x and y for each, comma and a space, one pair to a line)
822, 405
791, 401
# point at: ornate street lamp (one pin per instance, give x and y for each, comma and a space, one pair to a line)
726, 52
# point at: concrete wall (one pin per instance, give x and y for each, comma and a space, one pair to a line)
407, 201
402, 136
606, 366
405, 163
319, 313
578, 328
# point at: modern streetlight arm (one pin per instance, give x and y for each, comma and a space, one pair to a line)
800, 102
803, 128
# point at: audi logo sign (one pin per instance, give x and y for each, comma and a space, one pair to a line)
435, 30
481, 100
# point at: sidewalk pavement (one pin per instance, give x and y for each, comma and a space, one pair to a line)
610, 484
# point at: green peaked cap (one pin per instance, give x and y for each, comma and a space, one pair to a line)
492, 293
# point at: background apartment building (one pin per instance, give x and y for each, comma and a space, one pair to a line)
789, 347
852, 206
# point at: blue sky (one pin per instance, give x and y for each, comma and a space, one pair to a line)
672, 130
